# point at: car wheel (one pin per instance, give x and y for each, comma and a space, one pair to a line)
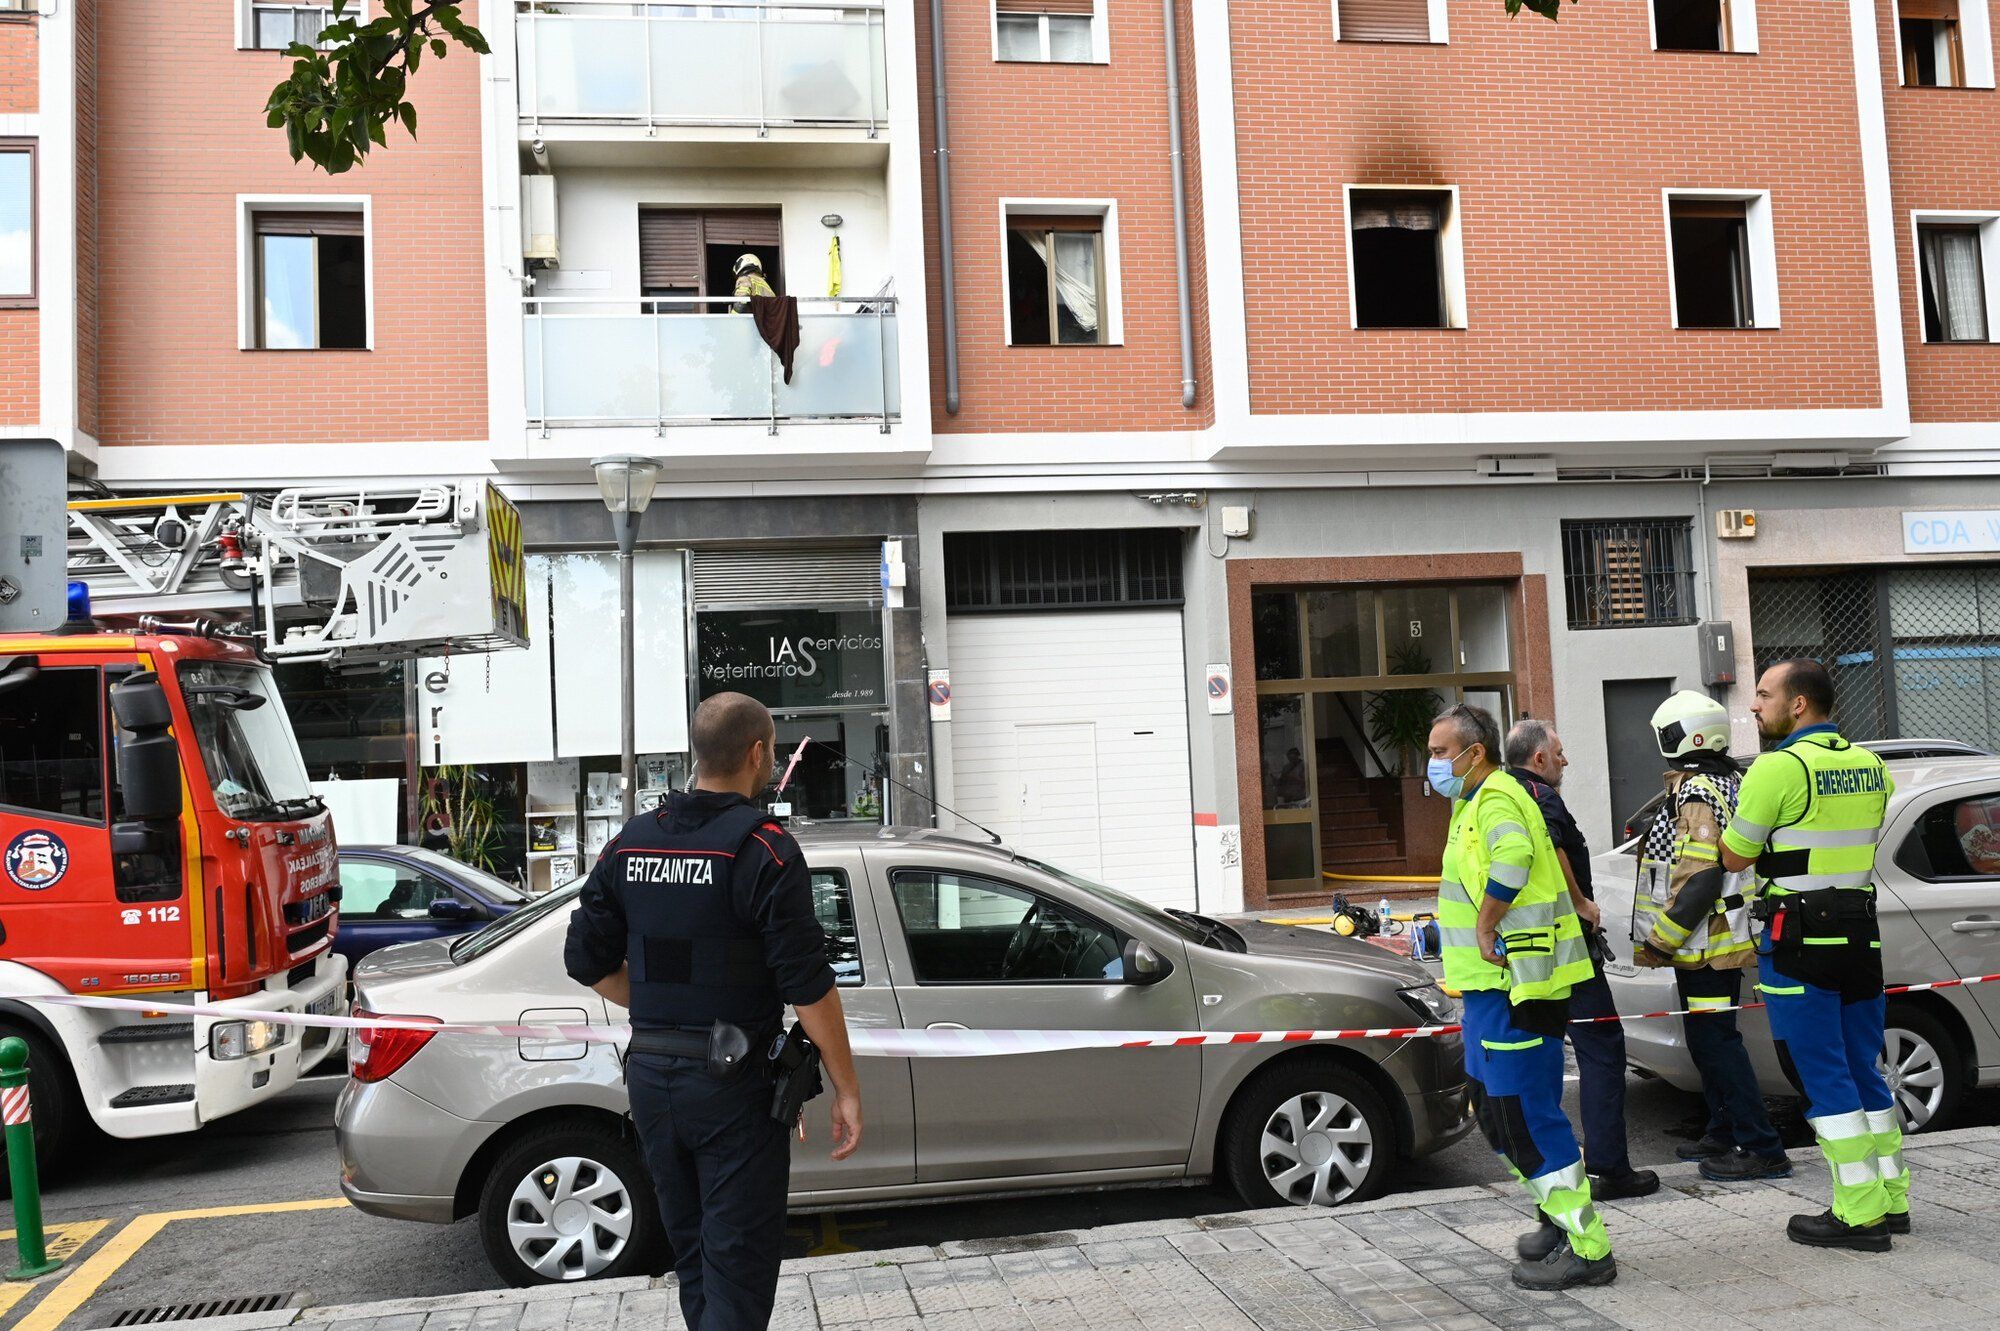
53, 1101
1924, 1067
570, 1202
1308, 1132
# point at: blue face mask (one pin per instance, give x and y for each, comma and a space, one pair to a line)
1442, 778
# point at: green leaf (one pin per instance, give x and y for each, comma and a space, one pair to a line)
375, 133
409, 114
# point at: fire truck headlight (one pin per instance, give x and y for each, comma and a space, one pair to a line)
241, 1039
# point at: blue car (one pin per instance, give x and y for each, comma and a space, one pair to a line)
400, 894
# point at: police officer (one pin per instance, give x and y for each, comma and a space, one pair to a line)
750, 281
699, 919
1689, 915
1808, 818
1536, 759
1513, 946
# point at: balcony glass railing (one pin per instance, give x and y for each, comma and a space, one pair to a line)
692, 361
752, 64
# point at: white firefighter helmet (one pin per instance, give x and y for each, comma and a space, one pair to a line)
746, 262
1690, 723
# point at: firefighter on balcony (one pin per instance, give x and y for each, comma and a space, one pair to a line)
1808, 817
1688, 914
1514, 947
750, 281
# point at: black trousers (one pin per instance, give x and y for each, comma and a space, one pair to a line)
721, 1166
1728, 1081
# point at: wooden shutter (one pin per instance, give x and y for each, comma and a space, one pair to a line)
308, 224
1087, 8
740, 228
1944, 10
1385, 20
669, 250
1624, 579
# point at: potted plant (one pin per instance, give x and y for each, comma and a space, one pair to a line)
459, 806
1399, 720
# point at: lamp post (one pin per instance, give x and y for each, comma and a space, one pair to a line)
626, 482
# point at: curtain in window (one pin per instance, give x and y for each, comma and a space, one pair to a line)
1952, 268
1075, 262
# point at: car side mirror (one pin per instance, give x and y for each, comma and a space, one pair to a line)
1143, 965
450, 908
149, 762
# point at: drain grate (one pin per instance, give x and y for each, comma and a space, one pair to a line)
188, 1312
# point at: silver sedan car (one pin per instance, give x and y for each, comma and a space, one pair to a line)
925, 932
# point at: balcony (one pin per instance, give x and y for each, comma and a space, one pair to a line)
611, 62
690, 361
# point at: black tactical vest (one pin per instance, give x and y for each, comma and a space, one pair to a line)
693, 961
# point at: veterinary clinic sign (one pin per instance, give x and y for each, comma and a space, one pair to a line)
1952, 532
792, 658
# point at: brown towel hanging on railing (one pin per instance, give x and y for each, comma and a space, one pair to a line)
778, 323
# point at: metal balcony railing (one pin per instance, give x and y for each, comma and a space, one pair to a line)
691, 360
802, 63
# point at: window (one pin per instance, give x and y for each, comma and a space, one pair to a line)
1070, 570
1957, 839
1944, 43
1619, 575
52, 744
17, 223
967, 930
692, 253
833, 904
311, 280
1724, 272
273, 25
1405, 259
370, 890
247, 746
1389, 20
1056, 281
1063, 32
1954, 283
1705, 25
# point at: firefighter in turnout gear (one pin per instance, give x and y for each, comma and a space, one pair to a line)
1808, 818
1514, 947
1689, 914
750, 281
699, 919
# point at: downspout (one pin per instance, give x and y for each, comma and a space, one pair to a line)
947, 279
1175, 156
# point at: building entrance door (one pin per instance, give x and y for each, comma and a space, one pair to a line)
1631, 752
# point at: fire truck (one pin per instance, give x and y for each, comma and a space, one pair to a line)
159, 838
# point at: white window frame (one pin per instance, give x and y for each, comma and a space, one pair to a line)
1742, 28
1100, 38
1106, 210
246, 21
1762, 238
247, 206
1975, 39
1988, 223
1451, 251
1439, 21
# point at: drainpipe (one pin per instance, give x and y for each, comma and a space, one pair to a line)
947, 278
1174, 155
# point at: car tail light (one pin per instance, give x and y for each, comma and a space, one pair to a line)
376, 1053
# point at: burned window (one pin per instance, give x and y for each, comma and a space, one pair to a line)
1711, 241
1398, 254
1691, 25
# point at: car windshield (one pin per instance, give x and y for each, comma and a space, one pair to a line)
252, 759
1182, 923
493, 889
481, 941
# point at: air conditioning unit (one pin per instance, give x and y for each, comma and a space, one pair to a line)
538, 221
1735, 524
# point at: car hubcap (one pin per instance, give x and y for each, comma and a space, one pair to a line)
569, 1219
1316, 1149
1915, 1075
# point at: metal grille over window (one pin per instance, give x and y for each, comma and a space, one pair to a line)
1628, 574
1042, 570
1829, 617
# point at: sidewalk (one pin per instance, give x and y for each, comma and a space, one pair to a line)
1695, 1256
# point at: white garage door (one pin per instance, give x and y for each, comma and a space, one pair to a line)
1069, 737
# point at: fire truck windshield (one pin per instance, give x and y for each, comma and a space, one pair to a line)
252, 758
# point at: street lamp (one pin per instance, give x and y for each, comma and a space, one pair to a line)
626, 482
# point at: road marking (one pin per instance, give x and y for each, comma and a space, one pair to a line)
826, 1230
64, 1241
79, 1285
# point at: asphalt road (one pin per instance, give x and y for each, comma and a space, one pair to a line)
283, 1154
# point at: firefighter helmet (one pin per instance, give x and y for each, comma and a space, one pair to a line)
747, 263
1690, 723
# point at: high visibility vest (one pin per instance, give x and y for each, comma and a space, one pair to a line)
1811, 813
1499, 835
1700, 805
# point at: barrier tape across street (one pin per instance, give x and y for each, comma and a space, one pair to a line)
880, 1043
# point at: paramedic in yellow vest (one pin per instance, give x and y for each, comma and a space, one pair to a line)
749, 281
1808, 818
1689, 915
1513, 946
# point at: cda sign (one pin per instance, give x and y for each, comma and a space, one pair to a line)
1952, 532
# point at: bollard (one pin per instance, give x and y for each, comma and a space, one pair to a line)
28, 1240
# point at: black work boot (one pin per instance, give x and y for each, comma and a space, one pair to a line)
1541, 1241
1897, 1221
1563, 1269
1631, 1183
1703, 1149
1741, 1166
1827, 1230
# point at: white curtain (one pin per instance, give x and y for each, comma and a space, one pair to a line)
1958, 287
1075, 262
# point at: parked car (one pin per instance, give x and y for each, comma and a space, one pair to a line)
403, 894
1938, 901
925, 931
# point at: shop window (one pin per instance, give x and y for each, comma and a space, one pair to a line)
1389, 20
1705, 25
52, 744
307, 279
1724, 275
1058, 289
966, 930
17, 223
1957, 275
1062, 32
1629, 574
1405, 259
1071, 570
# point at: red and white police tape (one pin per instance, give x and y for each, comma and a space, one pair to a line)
872, 1042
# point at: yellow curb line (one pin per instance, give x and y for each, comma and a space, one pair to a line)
65, 1241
